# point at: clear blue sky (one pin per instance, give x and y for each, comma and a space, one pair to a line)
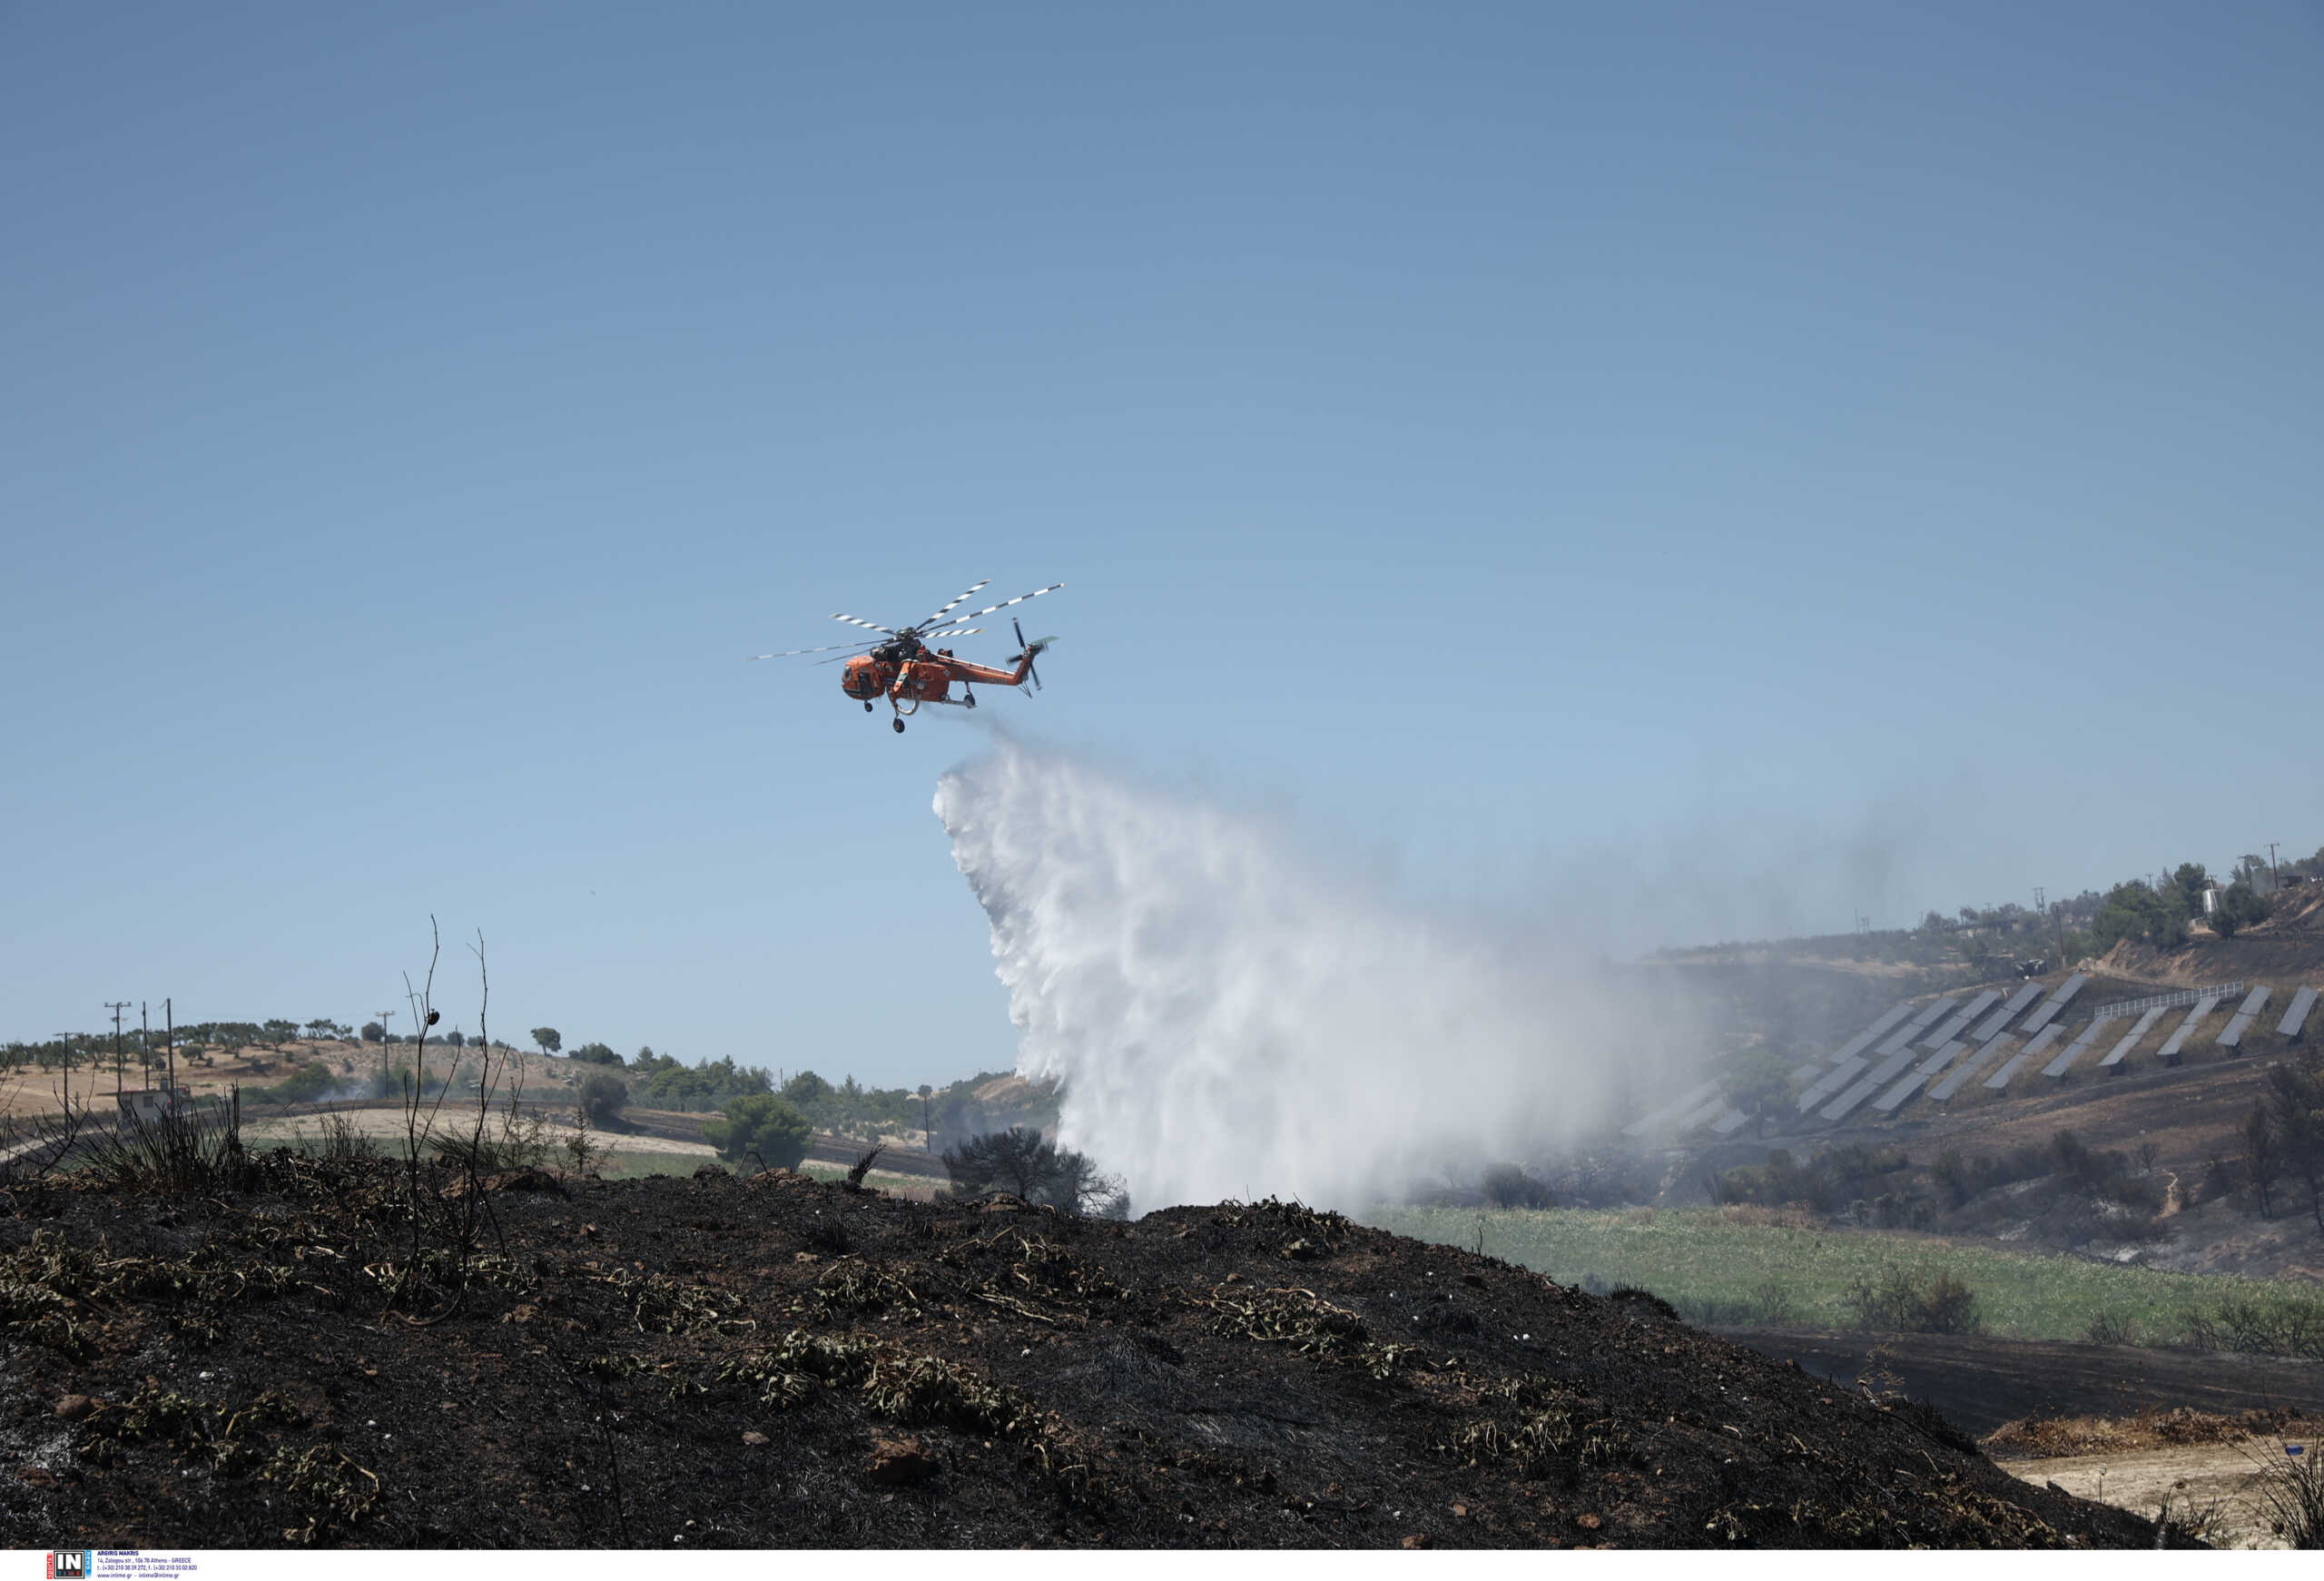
1701, 467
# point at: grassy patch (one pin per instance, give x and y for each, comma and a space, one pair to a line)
1733, 1265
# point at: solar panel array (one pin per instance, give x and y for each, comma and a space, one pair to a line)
1930, 1019
1953, 1079
1839, 1108
1962, 1018
1662, 1116
1879, 1076
2055, 1003
2006, 1014
2046, 1037
1999, 1080
1942, 1058
2297, 1016
1695, 1117
1902, 1037
2031, 1051
1892, 1100
2171, 1045
1838, 1076
2139, 1028
1863, 1040
1728, 1123
2254, 1004
2059, 1066
1929, 1014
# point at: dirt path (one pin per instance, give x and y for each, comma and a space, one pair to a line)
2205, 1477
385, 1127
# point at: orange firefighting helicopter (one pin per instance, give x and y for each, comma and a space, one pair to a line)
909, 668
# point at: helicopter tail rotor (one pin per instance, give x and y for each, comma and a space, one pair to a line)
1027, 652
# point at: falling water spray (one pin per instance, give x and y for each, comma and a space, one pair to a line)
1228, 1017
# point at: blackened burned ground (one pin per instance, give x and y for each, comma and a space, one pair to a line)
714, 1362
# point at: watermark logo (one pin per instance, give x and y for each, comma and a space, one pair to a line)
69, 1565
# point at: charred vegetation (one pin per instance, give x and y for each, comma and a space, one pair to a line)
777, 1361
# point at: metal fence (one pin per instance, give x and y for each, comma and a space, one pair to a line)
2166, 1001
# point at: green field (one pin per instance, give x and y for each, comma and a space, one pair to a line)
1744, 1268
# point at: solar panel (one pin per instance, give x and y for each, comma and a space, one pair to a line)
2055, 1003
1888, 1069
1839, 1107
1999, 1080
2139, 1028
1894, 1099
1863, 1040
2059, 1066
1697, 1117
1805, 1071
1953, 1079
1961, 1019
1728, 1123
1939, 1007
1659, 1117
1930, 1012
1832, 1081
2169, 1052
2253, 1003
2000, 1018
1902, 1037
2297, 1016
2046, 1037
1942, 1058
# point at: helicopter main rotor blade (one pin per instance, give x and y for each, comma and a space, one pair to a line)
1005, 603
867, 624
794, 653
860, 650
938, 618
949, 632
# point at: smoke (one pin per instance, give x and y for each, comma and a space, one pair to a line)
1228, 1018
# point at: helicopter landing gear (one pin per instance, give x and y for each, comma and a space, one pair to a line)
867, 707
968, 699
899, 727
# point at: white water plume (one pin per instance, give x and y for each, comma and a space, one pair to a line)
1228, 1020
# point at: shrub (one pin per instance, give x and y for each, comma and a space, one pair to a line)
1899, 1301
1509, 1186
2291, 1491
596, 1055
764, 1124
1036, 1168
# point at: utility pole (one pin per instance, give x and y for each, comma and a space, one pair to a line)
2275, 879
170, 1048
144, 1050
383, 1019
927, 1132
116, 1006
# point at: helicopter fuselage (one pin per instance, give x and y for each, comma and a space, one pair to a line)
917, 674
